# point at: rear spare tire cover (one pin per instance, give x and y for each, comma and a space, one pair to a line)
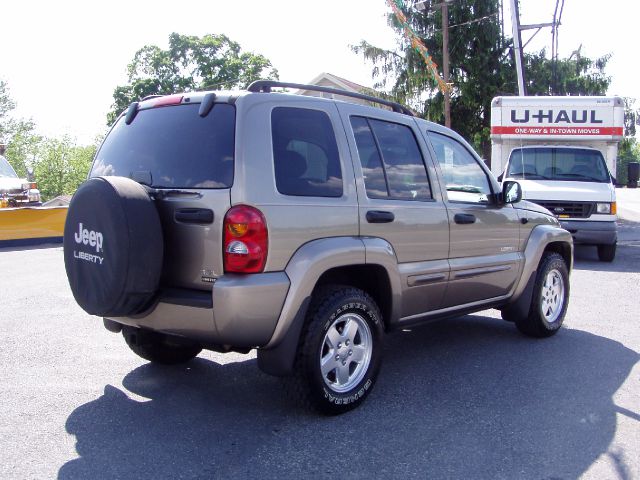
113, 247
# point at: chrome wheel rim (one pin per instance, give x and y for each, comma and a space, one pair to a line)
552, 298
346, 352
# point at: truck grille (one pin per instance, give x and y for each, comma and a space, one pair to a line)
570, 209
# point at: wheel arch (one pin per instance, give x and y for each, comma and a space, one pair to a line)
371, 278
543, 239
564, 249
338, 260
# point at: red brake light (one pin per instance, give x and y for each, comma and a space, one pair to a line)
245, 240
168, 100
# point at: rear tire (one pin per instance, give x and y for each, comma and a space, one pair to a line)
158, 348
340, 351
549, 300
606, 253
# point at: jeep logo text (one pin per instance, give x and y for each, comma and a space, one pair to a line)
88, 237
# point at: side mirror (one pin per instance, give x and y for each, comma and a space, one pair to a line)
511, 192
30, 177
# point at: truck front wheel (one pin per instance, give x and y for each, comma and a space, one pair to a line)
606, 253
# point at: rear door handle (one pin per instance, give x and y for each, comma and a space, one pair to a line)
379, 216
464, 218
200, 216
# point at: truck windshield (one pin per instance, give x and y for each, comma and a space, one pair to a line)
5, 169
172, 147
564, 164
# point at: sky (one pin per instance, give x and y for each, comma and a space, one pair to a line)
62, 59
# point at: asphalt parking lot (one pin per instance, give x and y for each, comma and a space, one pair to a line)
465, 398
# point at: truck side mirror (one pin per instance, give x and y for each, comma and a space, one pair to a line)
511, 192
30, 176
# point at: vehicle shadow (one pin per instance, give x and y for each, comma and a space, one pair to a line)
10, 246
465, 398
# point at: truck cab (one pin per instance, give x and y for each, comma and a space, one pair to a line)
562, 151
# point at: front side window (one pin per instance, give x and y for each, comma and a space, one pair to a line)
392, 165
305, 153
464, 179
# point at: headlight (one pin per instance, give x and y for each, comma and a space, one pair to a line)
605, 208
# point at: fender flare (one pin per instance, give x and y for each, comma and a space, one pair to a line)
304, 270
539, 239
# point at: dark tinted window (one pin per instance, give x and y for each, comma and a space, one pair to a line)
547, 163
392, 164
372, 171
305, 153
177, 147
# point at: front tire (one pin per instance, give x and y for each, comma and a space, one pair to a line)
340, 351
158, 348
550, 298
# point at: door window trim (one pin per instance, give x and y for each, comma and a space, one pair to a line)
384, 170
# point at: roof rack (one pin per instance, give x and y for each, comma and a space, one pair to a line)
266, 85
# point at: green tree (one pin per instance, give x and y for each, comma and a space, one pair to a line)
61, 166
18, 133
6, 105
23, 147
629, 150
481, 64
573, 76
190, 63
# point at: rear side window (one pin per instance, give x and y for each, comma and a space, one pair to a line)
392, 164
305, 153
172, 147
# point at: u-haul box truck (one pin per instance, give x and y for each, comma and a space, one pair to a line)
562, 151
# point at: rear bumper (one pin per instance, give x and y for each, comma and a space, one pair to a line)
241, 311
591, 233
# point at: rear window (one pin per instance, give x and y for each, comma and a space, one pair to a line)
548, 163
172, 147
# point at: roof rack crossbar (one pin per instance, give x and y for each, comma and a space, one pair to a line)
266, 85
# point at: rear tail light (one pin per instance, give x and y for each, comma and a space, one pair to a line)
245, 240
29, 186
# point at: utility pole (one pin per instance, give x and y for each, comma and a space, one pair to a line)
517, 45
423, 6
445, 63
